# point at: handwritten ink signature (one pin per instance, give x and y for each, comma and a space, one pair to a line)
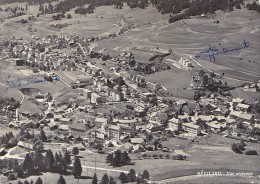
212, 52
20, 82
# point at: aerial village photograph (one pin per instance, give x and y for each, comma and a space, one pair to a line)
129, 91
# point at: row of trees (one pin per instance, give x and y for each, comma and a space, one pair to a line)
67, 5
28, 2
8, 140
61, 180
133, 177
36, 162
10, 102
118, 158
56, 163
240, 147
84, 11
253, 6
185, 8
38, 181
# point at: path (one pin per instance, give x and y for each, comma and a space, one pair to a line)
105, 169
22, 97
80, 46
8, 156
122, 25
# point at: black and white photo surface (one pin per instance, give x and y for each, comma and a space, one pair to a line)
129, 91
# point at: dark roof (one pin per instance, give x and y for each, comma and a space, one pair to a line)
79, 126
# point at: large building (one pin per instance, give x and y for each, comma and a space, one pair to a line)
114, 132
79, 129
191, 128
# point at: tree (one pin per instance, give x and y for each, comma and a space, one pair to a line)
75, 151
205, 80
39, 161
28, 164
116, 158
105, 179
145, 175
67, 158
131, 176
201, 73
50, 8
124, 158
122, 177
38, 145
19, 170
11, 176
94, 179
149, 137
49, 160
77, 169
69, 16
251, 152
109, 158
111, 180
236, 149
61, 180
56, 163
26, 182
19, 182
43, 136
39, 181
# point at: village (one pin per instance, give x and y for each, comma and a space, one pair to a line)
107, 105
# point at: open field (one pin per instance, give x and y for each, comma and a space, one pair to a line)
211, 179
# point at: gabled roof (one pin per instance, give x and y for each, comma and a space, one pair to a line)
137, 140
174, 120
191, 125
235, 113
246, 116
181, 102
243, 106
64, 127
237, 100
79, 126
65, 119
114, 127
216, 125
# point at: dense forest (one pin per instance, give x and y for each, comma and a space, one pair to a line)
30, 2
185, 8
181, 9
178, 9
67, 5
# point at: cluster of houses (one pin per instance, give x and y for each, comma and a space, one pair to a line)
148, 113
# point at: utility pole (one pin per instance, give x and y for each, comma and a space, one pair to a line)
95, 164
116, 176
